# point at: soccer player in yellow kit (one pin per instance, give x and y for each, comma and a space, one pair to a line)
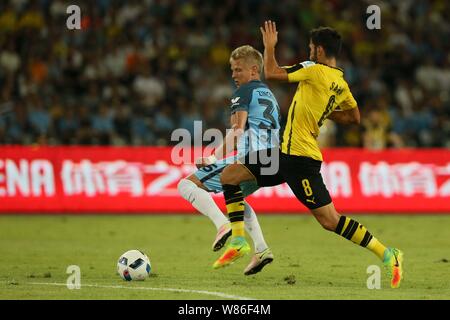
321, 90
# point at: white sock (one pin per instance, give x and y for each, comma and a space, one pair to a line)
253, 228
202, 201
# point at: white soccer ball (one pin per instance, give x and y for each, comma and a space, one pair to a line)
134, 265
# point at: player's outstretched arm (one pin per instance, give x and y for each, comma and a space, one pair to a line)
272, 70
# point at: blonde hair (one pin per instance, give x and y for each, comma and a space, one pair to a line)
250, 55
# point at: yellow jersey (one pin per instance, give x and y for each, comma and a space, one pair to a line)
320, 91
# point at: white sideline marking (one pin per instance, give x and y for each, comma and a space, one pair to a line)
211, 293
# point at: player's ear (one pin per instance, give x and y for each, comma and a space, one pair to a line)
255, 70
324, 53
320, 51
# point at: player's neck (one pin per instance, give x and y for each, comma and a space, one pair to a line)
328, 61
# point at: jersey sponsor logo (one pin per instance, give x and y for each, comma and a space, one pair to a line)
265, 94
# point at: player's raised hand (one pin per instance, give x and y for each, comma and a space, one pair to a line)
269, 33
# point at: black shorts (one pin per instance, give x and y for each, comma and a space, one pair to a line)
302, 174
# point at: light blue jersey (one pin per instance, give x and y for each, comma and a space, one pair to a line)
261, 132
263, 122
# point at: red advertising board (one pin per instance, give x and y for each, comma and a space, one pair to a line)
143, 180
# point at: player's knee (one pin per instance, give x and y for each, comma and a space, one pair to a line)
234, 174
328, 225
332, 222
225, 180
327, 216
227, 176
328, 222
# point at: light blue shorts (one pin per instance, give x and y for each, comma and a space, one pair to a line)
210, 177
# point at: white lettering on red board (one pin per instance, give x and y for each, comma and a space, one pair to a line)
404, 179
101, 178
26, 178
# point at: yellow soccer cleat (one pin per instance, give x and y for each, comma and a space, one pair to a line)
237, 248
393, 262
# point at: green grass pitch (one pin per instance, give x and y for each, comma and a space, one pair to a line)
310, 263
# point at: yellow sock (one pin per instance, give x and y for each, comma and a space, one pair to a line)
234, 201
238, 229
357, 233
376, 247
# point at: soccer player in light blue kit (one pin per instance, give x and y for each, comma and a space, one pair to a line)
255, 121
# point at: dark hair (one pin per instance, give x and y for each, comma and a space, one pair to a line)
328, 38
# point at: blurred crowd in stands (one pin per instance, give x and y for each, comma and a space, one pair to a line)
138, 69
